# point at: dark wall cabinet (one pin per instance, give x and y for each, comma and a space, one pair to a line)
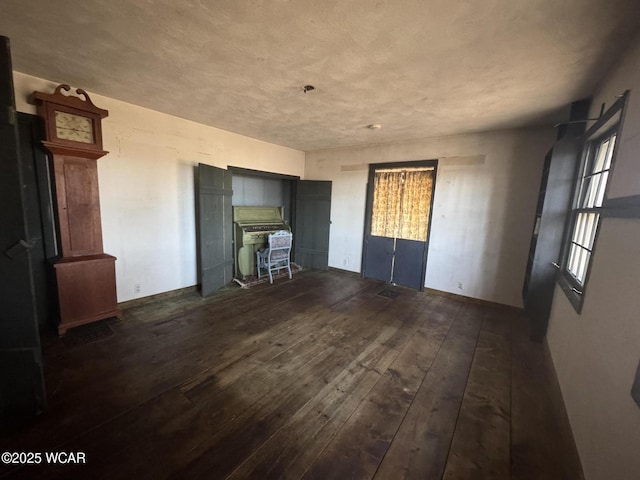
554, 203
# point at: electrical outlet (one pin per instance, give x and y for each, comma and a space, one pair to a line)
460, 285
136, 288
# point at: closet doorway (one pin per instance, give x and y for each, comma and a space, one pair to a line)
398, 221
309, 214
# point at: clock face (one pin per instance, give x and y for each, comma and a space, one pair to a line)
74, 127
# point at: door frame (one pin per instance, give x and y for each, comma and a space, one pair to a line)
294, 183
369, 207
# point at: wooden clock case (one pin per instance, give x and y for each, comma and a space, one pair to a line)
85, 275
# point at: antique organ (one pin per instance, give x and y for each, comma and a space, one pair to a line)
251, 229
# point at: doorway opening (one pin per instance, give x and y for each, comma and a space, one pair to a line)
218, 190
397, 222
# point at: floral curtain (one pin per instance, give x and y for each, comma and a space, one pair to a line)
401, 203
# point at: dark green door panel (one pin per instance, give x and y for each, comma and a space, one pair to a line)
38, 214
312, 224
21, 380
214, 224
378, 258
409, 263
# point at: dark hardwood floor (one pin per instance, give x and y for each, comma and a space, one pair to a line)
317, 378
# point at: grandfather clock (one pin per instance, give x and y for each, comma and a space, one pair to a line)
85, 275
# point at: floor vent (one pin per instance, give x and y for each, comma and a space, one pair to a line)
388, 293
87, 334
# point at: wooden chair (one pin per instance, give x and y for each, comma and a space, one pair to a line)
277, 255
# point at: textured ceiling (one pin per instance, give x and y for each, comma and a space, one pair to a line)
419, 68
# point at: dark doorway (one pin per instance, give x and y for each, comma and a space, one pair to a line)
307, 208
312, 224
398, 221
309, 214
21, 377
214, 227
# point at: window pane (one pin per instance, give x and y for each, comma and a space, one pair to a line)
584, 263
584, 192
586, 225
594, 181
595, 175
571, 264
416, 202
602, 186
578, 233
582, 244
601, 156
592, 227
612, 144
401, 203
584, 233
386, 204
578, 263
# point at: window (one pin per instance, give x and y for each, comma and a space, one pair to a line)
401, 203
591, 186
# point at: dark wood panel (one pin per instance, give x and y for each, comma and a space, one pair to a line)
312, 224
554, 204
86, 289
409, 263
318, 377
378, 258
214, 227
21, 387
78, 205
38, 213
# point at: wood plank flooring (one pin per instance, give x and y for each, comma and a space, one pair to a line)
318, 377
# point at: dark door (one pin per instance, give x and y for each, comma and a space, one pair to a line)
554, 205
21, 380
409, 265
38, 212
214, 227
398, 218
378, 257
312, 223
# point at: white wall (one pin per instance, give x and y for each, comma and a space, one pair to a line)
596, 353
147, 186
486, 192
